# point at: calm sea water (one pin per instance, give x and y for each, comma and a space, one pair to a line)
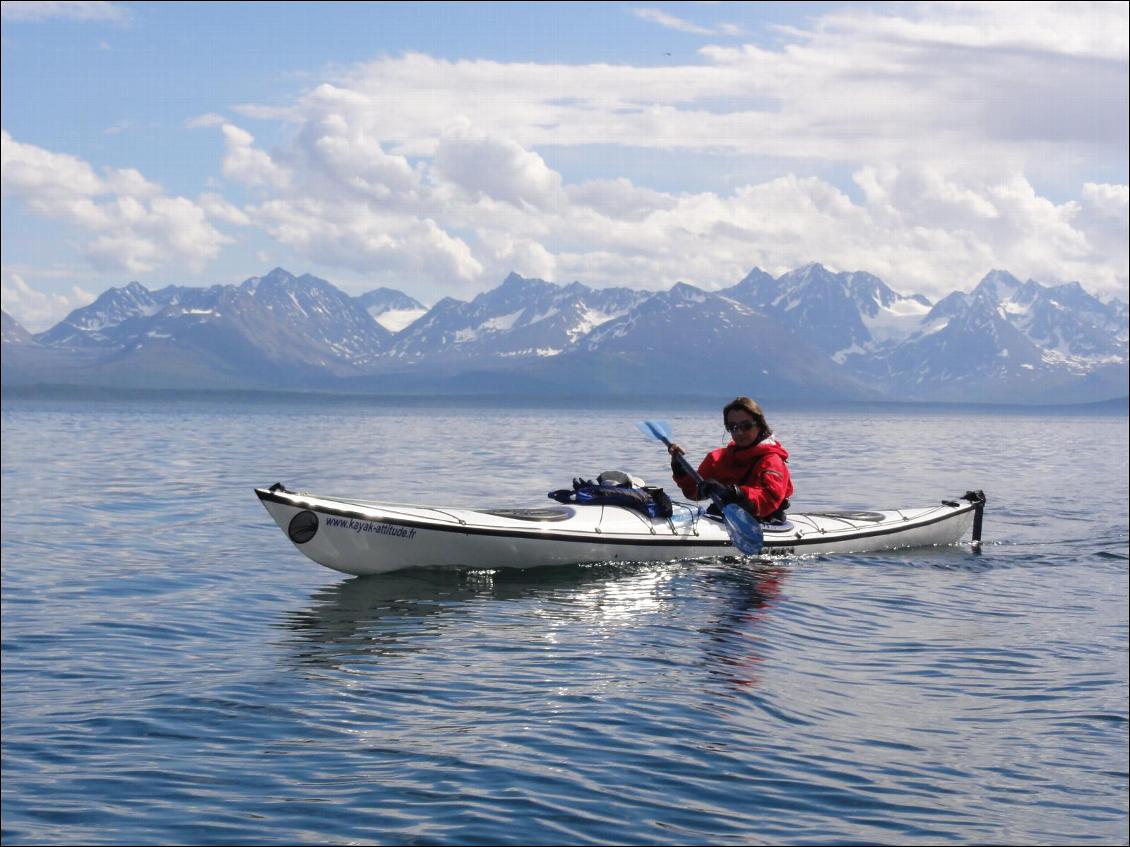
174, 671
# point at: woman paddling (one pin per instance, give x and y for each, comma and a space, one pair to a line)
750, 470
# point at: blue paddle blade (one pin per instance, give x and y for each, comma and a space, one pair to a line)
745, 529
655, 430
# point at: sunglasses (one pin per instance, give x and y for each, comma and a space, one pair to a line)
740, 426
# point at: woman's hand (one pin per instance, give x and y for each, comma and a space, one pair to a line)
725, 494
676, 466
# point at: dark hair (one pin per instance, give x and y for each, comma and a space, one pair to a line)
744, 404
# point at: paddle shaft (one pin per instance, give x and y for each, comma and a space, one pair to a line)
689, 470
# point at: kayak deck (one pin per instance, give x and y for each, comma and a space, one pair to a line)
363, 537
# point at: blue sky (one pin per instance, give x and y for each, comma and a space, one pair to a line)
434, 147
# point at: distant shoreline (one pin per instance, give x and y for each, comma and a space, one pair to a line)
1115, 407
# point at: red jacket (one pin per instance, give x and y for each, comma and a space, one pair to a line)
759, 471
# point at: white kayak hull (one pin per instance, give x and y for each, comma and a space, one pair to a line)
363, 538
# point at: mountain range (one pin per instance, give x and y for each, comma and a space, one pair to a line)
808, 334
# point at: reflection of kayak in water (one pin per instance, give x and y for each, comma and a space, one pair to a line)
362, 538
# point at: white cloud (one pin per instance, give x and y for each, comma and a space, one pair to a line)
497, 168
332, 153
660, 17
357, 237
134, 225
859, 87
523, 256
1093, 29
219, 209
619, 198
335, 197
1108, 201
244, 164
117, 128
41, 10
36, 310
920, 229
206, 120
1104, 215
668, 21
939, 127
476, 204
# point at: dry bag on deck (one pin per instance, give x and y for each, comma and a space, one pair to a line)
648, 499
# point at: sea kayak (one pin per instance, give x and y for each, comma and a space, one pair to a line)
362, 538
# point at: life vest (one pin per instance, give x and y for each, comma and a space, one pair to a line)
779, 516
731, 465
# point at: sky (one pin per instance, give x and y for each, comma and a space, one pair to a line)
435, 147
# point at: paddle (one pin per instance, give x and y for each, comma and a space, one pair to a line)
744, 528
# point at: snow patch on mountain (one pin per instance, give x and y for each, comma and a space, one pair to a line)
501, 323
897, 321
394, 320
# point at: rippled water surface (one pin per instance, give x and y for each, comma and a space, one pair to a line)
175, 671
